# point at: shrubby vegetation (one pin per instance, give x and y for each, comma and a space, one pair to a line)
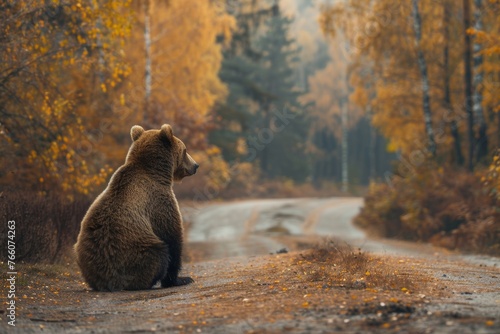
46, 226
443, 206
437, 103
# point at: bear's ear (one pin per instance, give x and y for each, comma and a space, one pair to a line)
167, 133
136, 132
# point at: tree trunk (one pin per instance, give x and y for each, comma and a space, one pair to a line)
147, 69
372, 155
417, 25
265, 154
459, 158
345, 147
468, 83
482, 140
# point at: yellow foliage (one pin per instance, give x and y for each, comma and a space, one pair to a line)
185, 60
48, 71
218, 169
74, 87
385, 73
211, 178
490, 44
491, 177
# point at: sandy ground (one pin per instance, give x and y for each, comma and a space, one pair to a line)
240, 287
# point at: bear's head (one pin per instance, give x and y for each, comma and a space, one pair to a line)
161, 150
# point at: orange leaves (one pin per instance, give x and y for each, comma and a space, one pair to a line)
215, 173
65, 168
185, 59
48, 68
380, 42
491, 177
73, 83
489, 42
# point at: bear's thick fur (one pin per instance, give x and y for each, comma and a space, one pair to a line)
131, 236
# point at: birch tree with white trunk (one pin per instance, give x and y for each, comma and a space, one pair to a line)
345, 145
422, 64
147, 51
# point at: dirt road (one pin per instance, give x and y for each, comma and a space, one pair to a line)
271, 225
240, 288
257, 227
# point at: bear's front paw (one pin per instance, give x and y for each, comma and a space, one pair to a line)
183, 281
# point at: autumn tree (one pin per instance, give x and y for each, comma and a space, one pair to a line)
57, 60
422, 64
487, 39
430, 94
411, 102
72, 78
175, 54
178, 81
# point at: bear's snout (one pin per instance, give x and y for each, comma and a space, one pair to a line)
190, 166
195, 167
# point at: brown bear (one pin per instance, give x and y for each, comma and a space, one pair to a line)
131, 236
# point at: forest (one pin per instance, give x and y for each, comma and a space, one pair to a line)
398, 101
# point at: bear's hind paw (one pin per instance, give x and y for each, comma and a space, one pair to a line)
183, 281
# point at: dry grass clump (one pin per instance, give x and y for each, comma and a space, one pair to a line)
338, 265
446, 207
46, 226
